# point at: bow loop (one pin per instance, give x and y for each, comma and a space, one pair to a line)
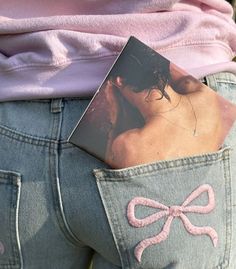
147, 220
195, 194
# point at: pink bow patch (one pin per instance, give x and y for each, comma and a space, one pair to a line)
172, 212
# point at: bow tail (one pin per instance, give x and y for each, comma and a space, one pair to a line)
195, 230
153, 240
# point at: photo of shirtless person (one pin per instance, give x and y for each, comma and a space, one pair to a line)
175, 114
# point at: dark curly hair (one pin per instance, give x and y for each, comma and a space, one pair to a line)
142, 68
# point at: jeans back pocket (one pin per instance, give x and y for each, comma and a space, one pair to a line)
9, 203
171, 214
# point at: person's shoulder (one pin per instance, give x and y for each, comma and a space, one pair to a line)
125, 147
126, 140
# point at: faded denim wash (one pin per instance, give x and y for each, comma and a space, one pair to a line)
60, 207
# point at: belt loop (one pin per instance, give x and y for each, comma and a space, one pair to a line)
56, 105
211, 82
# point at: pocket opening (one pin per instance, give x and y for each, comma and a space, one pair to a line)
188, 162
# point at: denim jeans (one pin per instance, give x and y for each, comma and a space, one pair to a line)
61, 208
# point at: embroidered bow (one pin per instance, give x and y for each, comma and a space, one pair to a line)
172, 212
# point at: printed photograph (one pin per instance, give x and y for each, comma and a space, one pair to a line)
148, 109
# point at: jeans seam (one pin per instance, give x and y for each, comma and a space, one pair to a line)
117, 238
17, 222
55, 183
13, 225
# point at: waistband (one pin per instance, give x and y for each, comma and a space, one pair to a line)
44, 123
222, 77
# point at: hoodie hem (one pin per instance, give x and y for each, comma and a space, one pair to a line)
81, 78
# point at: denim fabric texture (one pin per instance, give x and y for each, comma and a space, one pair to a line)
60, 207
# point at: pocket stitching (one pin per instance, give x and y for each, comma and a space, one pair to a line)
228, 217
15, 181
186, 162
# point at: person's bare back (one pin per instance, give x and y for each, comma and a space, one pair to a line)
188, 132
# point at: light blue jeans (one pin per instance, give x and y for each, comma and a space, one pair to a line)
61, 208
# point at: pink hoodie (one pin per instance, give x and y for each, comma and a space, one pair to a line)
65, 48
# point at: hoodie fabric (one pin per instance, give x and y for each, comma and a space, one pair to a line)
65, 48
